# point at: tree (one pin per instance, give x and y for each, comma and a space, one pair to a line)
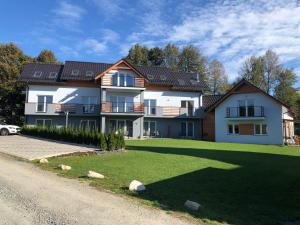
156, 56
12, 60
253, 71
138, 55
272, 69
284, 90
171, 57
46, 56
217, 78
191, 60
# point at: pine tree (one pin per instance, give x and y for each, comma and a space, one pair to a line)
46, 56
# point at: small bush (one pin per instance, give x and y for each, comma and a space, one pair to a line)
109, 142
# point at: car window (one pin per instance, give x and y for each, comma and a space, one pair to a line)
2, 123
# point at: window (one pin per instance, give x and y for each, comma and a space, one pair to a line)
89, 73
122, 103
233, 129
123, 80
89, 104
246, 108
75, 72
43, 100
88, 125
52, 74
150, 105
260, 129
44, 122
121, 125
150, 128
187, 129
37, 74
188, 107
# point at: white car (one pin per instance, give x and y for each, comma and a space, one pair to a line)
6, 129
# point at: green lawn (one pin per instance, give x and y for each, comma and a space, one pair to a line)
235, 183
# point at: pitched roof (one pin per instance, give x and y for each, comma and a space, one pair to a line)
208, 100
41, 72
74, 70
233, 91
178, 80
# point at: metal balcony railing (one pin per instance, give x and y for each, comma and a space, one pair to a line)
243, 111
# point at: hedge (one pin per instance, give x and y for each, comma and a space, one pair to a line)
111, 142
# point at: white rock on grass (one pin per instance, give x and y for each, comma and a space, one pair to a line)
44, 160
136, 186
192, 205
64, 167
92, 174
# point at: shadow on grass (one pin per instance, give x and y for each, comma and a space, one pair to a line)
264, 189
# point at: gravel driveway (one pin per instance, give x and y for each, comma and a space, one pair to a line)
33, 148
30, 196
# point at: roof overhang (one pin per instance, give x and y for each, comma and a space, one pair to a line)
121, 65
234, 89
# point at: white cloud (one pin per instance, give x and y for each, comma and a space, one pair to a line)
234, 30
93, 46
107, 7
68, 16
109, 35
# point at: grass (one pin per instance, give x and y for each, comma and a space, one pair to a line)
235, 183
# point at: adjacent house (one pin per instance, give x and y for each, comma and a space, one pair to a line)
246, 114
148, 101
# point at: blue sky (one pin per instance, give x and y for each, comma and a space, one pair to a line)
104, 30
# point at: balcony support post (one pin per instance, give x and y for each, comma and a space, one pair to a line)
103, 124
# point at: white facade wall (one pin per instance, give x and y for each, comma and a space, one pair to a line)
173, 98
273, 119
62, 94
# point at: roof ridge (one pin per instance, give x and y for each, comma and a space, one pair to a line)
44, 63
88, 62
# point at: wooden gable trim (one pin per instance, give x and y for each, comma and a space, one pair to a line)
234, 90
121, 64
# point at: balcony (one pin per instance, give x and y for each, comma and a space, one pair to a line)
122, 107
56, 109
127, 83
245, 112
170, 111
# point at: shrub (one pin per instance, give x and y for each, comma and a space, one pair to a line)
111, 142
103, 143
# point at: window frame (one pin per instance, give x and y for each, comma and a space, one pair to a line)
88, 124
145, 133
186, 129
148, 106
234, 126
260, 129
43, 122
116, 80
44, 103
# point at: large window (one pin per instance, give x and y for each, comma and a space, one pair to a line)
150, 128
260, 129
44, 122
246, 108
89, 104
233, 129
122, 103
125, 126
188, 107
43, 100
88, 125
187, 129
123, 79
150, 106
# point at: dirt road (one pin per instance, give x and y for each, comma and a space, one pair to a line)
31, 196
